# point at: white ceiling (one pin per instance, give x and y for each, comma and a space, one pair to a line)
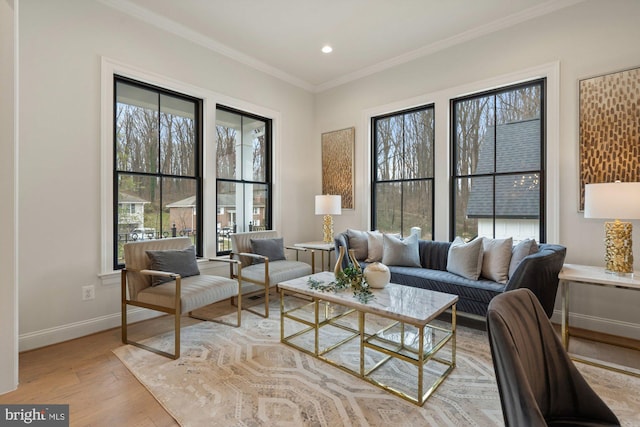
284, 37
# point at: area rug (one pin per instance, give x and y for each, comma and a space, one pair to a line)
244, 376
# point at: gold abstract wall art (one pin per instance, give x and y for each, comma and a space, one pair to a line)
338, 164
609, 129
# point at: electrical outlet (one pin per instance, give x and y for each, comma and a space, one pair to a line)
88, 292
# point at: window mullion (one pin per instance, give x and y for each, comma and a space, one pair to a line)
495, 160
159, 158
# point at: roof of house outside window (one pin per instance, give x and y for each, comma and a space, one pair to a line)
229, 201
128, 198
518, 195
189, 202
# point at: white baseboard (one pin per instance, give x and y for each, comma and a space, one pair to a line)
600, 324
71, 331
44, 337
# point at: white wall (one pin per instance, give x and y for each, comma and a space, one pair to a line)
63, 46
8, 283
588, 39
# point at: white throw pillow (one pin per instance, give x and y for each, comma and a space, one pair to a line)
374, 246
496, 258
400, 252
465, 259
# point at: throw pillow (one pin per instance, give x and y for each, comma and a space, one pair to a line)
178, 261
400, 252
271, 248
465, 259
496, 258
520, 251
374, 246
359, 243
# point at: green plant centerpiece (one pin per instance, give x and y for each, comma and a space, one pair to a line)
350, 277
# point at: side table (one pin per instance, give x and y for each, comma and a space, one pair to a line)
590, 275
322, 247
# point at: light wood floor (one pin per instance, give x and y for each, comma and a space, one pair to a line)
100, 391
85, 374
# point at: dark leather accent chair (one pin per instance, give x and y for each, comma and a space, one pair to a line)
538, 383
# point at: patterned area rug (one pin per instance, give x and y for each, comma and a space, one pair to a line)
244, 376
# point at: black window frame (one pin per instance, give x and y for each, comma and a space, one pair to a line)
268, 174
374, 166
542, 82
198, 169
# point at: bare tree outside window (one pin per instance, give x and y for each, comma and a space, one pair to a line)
402, 188
157, 164
243, 146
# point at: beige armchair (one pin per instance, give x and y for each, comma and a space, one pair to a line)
177, 295
257, 273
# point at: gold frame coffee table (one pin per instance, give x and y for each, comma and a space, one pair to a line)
400, 329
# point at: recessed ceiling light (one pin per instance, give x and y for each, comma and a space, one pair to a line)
327, 49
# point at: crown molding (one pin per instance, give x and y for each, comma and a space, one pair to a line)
180, 30
491, 27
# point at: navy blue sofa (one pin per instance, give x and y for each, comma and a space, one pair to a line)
537, 272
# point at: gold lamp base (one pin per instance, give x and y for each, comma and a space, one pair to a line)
619, 249
327, 229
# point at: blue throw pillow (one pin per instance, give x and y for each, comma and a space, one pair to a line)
271, 248
359, 243
178, 261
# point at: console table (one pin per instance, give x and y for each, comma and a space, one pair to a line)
322, 247
596, 276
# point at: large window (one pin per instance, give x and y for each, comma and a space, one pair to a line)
402, 171
157, 165
498, 167
243, 174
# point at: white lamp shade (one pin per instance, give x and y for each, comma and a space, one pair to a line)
612, 200
328, 205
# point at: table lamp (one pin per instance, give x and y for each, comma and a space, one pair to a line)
615, 200
328, 205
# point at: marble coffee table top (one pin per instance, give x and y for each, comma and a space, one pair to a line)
407, 304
